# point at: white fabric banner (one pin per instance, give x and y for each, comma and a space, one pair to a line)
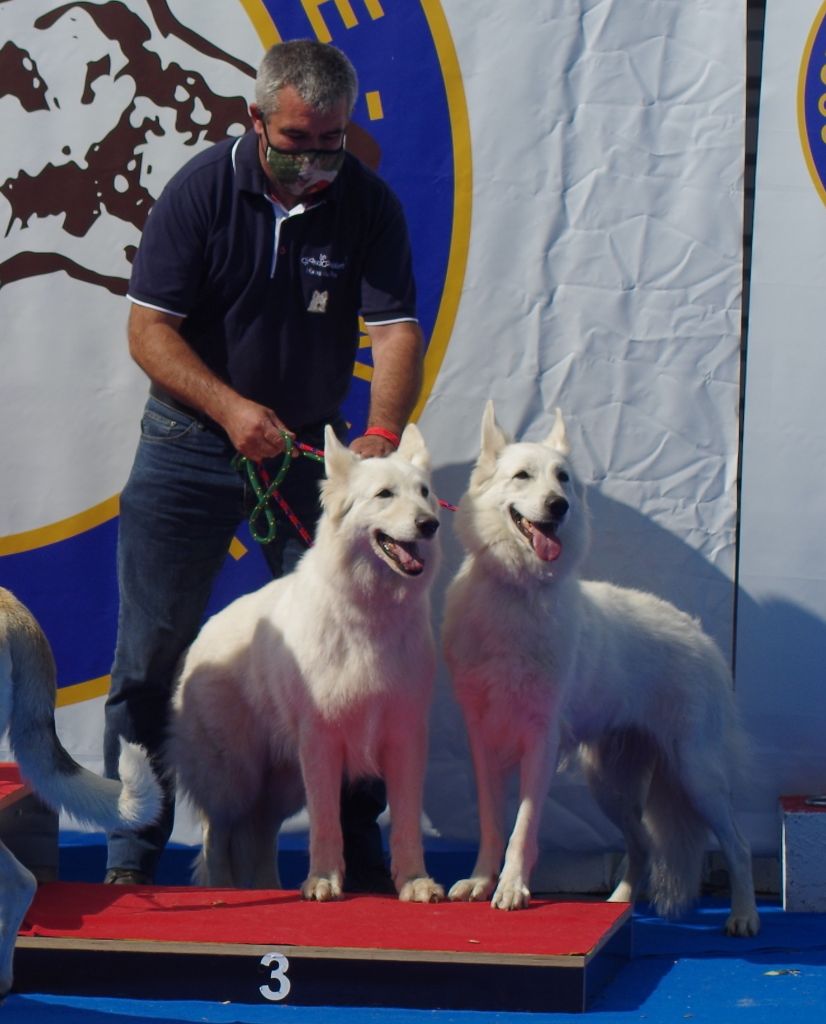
604, 277
781, 635
572, 173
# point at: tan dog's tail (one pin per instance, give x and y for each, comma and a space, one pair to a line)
26, 657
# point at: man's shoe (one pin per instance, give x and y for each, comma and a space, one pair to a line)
126, 876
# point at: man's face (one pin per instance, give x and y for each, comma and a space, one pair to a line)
297, 128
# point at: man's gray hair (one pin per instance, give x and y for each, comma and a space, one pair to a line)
320, 73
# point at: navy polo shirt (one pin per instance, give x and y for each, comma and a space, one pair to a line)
271, 302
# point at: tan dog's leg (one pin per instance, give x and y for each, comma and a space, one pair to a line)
17, 888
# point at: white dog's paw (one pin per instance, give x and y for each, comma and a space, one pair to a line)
421, 890
472, 890
743, 925
511, 895
322, 888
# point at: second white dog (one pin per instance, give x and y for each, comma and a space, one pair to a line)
326, 671
633, 682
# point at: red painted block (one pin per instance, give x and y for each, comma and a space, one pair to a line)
12, 787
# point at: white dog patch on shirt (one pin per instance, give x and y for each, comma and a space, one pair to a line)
318, 302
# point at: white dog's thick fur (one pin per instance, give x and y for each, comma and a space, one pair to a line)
540, 657
325, 672
27, 703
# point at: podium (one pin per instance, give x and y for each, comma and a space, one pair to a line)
253, 946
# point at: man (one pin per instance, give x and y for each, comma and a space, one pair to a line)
253, 268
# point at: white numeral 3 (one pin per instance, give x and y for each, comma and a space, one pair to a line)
279, 974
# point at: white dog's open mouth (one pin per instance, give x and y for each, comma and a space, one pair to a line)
541, 536
403, 555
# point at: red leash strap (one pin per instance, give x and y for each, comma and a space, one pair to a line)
301, 530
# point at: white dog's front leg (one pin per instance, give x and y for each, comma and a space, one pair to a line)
404, 776
535, 771
322, 767
490, 794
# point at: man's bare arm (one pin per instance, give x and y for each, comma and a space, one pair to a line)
156, 345
397, 380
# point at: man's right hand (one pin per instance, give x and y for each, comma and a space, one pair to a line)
255, 430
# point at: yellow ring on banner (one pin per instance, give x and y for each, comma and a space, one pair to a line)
262, 22
43, 536
801, 102
462, 198
79, 692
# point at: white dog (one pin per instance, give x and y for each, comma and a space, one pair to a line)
323, 673
27, 703
539, 656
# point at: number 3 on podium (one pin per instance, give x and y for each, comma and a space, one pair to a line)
279, 974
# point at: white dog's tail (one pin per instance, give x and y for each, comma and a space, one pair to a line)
44, 762
679, 838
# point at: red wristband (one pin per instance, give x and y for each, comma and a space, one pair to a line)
388, 435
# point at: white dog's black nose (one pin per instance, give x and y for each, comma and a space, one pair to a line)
427, 526
557, 508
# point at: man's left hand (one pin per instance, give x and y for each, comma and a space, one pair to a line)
372, 446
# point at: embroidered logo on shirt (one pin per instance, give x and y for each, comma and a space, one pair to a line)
318, 302
322, 265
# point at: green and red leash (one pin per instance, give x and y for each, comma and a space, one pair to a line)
266, 490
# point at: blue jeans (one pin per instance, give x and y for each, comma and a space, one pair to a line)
179, 511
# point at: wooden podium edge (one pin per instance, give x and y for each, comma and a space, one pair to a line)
190, 948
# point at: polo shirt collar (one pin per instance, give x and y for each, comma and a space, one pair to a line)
249, 175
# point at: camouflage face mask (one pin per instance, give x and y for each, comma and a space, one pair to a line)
303, 172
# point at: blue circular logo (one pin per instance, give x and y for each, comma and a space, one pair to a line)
812, 102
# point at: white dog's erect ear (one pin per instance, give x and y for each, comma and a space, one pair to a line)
494, 438
338, 460
558, 437
493, 443
412, 447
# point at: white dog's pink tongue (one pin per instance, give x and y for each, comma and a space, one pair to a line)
545, 547
406, 559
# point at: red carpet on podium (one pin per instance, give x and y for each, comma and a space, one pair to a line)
191, 914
